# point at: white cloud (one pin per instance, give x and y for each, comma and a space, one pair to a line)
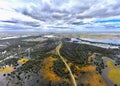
7, 15
60, 13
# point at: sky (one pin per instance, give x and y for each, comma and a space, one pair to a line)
60, 15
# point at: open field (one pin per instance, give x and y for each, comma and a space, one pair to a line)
90, 77
113, 72
23, 60
90, 35
6, 69
99, 36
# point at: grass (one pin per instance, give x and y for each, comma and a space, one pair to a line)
86, 75
100, 37
23, 60
7, 69
47, 70
110, 64
114, 75
91, 57
113, 72
78, 57
89, 77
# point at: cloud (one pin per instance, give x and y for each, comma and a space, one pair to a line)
56, 15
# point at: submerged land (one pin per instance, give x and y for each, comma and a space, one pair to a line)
60, 59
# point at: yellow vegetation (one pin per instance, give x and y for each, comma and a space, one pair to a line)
110, 64
23, 60
91, 57
113, 72
89, 76
47, 70
114, 75
7, 69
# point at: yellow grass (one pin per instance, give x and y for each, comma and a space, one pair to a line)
100, 37
23, 60
47, 70
110, 64
7, 69
113, 73
91, 57
90, 76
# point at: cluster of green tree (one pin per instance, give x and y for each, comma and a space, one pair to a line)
29, 68
98, 62
75, 53
11, 61
79, 53
118, 61
33, 65
60, 69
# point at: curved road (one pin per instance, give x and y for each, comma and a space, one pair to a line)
70, 72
